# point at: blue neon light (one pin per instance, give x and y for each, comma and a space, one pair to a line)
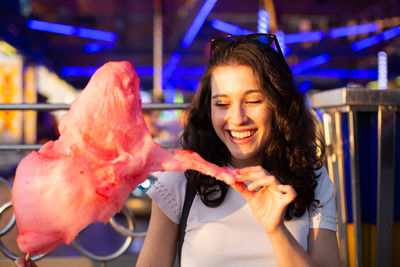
353, 30
341, 74
169, 95
71, 30
287, 51
93, 47
96, 34
186, 83
310, 63
263, 21
189, 75
373, 40
302, 37
364, 43
78, 71
191, 83
304, 86
289, 38
171, 64
382, 70
386, 35
281, 37
363, 74
197, 23
51, 27
144, 71
189, 72
228, 28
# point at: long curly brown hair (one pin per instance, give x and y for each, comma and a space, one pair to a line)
294, 150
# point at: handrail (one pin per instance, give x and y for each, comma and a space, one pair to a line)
54, 107
40, 107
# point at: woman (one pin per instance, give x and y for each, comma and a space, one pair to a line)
247, 115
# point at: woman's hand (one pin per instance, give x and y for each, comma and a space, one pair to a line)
23, 262
267, 197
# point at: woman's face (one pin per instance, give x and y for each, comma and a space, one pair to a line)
240, 114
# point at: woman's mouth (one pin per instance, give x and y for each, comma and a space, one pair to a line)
242, 136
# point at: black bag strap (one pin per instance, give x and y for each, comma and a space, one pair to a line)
187, 204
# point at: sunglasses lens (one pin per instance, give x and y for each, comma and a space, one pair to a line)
264, 40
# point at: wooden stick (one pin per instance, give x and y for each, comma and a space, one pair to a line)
273, 23
27, 256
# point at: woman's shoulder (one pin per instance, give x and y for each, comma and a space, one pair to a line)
324, 214
324, 182
168, 192
325, 186
170, 177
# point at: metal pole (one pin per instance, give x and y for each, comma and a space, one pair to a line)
34, 107
340, 189
157, 51
355, 187
273, 24
386, 173
39, 107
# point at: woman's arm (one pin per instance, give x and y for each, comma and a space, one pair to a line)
323, 247
159, 248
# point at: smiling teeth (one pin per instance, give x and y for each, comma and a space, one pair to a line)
242, 134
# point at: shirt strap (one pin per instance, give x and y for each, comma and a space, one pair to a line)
187, 204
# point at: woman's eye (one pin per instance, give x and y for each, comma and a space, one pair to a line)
253, 101
221, 104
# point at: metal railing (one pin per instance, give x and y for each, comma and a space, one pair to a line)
55, 107
361, 134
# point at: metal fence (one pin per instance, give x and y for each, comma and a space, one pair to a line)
362, 136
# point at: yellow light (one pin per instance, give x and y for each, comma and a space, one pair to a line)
178, 97
7, 49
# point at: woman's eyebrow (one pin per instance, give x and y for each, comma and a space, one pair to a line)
252, 91
221, 95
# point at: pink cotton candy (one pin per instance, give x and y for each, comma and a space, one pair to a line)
103, 153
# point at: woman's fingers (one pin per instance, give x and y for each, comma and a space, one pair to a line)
251, 173
242, 189
23, 262
288, 191
248, 172
288, 194
20, 262
260, 178
267, 181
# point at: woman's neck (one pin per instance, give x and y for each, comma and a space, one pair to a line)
242, 163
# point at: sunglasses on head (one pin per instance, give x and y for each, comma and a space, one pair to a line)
263, 40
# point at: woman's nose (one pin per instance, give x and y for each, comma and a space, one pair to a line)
238, 115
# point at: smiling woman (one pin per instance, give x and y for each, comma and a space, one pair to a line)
247, 115
240, 114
